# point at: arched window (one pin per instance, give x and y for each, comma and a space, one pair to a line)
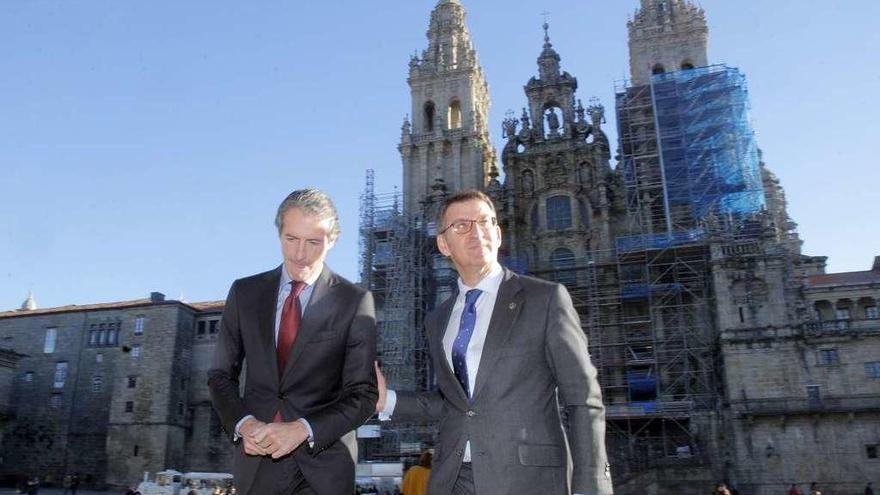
454, 115
658, 69
430, 111
687, 65
562, 261
558, 212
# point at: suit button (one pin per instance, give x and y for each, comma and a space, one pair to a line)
471, 414
281, 396
459, 452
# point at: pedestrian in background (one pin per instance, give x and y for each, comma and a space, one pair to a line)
721, 489
415, 481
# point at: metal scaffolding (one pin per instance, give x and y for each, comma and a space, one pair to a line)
647, 313
688, 151
395, 264
691, 174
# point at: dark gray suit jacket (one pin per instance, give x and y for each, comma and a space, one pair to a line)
329, 378
534, 348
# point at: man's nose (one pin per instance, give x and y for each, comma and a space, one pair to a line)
479, 231
299, 250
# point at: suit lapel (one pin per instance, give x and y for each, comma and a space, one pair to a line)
444, 313
508, 305
267, 300
320, 304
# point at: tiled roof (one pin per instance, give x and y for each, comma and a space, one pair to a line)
845, 278
208, 305
200, 306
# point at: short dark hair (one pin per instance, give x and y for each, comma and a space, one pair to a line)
426, 459
461, 197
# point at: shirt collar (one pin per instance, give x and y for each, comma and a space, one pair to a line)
490, 283
285, 277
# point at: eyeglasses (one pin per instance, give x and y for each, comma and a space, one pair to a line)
464, 225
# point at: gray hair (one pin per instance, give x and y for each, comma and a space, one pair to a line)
313, 202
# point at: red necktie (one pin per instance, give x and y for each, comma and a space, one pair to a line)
290, 317
287, 330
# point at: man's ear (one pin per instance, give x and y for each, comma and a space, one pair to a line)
442, 246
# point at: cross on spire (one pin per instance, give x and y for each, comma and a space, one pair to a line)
545, 14
546, 27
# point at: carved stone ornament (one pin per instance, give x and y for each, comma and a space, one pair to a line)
556, 174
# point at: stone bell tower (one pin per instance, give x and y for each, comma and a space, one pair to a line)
666, 36
445, 144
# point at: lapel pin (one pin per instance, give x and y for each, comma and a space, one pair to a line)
511, 306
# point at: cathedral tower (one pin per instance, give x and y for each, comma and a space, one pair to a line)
666, 36
445, 145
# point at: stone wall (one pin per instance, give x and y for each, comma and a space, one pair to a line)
83, 423
800, 414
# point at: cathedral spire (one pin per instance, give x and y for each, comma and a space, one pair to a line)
548, 61
449, 42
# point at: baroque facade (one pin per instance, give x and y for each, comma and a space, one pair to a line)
682, 261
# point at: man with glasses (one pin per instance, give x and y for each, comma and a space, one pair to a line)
507, 351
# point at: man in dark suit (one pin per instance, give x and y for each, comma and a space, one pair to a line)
507, 350
308, 337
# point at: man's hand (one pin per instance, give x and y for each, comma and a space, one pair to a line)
246, 431
383, 388
280, 439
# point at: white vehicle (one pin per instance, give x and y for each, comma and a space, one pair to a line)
167, 483
171, 482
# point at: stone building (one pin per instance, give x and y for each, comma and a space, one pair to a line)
111, 391
804, 396
8, 373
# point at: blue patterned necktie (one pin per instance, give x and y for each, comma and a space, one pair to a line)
465, 331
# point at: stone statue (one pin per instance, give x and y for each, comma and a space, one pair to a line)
509, 126
526, 122
552, 121
528, 182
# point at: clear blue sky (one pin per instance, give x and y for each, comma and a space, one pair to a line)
144, 146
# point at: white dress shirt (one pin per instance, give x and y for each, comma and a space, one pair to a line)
485, 305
